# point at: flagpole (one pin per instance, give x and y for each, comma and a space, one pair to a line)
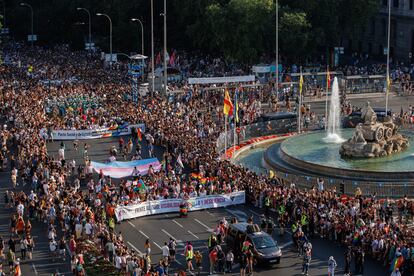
300, 100
235, 121
326, 99
225, 133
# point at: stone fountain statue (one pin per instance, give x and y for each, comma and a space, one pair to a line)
372, 138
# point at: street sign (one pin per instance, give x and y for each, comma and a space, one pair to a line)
32, 38
385, 50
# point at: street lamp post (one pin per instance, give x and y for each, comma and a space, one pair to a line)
277, 53
90, 24
152, 48
165, 47
31, 12
110, 35
142, 33
388, 58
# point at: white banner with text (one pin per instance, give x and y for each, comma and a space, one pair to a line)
96, 133
154, 207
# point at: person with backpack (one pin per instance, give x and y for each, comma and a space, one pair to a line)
172, 247
221, 259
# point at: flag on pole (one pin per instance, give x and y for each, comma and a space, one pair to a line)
300, 83
179, 161
139, 134
236, 106
328, 79
388, 83
228, 105
158, 59
172, 59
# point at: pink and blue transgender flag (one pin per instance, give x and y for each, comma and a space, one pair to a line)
119, 169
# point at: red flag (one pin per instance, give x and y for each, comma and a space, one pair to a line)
328, 79
139, 134
172, 59
158, 59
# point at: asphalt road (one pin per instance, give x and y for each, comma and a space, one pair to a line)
197, 226
194, 228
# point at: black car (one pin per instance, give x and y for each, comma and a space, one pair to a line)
354, 118
275, 122
265, 249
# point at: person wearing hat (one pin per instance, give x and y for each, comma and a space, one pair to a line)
331, 266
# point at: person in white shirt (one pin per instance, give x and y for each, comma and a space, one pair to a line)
165, 252
88, 229
118, 263
20, 209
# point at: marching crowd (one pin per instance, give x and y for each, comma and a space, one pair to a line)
47, 188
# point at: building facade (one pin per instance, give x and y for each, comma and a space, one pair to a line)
373, 40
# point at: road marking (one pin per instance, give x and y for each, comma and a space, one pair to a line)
133, 247
176, 222
238, 214
142, 233
191, 272
202, 224
210, 213
130, 223
257, 214
169, 235
34, 269
157, 244
191, 233
51, 264
286, 244
167, 216
178, 262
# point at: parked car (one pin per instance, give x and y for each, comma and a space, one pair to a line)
276, 122
265, 248
353, 119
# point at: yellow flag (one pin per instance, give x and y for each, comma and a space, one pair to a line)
388, 82
300, 84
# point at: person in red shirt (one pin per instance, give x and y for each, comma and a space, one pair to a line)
213, 259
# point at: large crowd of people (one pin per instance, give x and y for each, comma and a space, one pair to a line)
75, 208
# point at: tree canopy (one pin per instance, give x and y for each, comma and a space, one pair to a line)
241, 30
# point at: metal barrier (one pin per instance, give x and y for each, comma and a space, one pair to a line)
394, 190
248, 132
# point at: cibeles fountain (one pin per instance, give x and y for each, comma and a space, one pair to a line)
373, 138
373, 152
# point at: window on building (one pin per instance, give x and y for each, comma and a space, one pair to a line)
411, 4
384, 27
373, 27
396, 3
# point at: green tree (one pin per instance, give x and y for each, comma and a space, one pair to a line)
295, 35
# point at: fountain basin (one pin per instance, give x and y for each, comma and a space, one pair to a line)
308, 154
